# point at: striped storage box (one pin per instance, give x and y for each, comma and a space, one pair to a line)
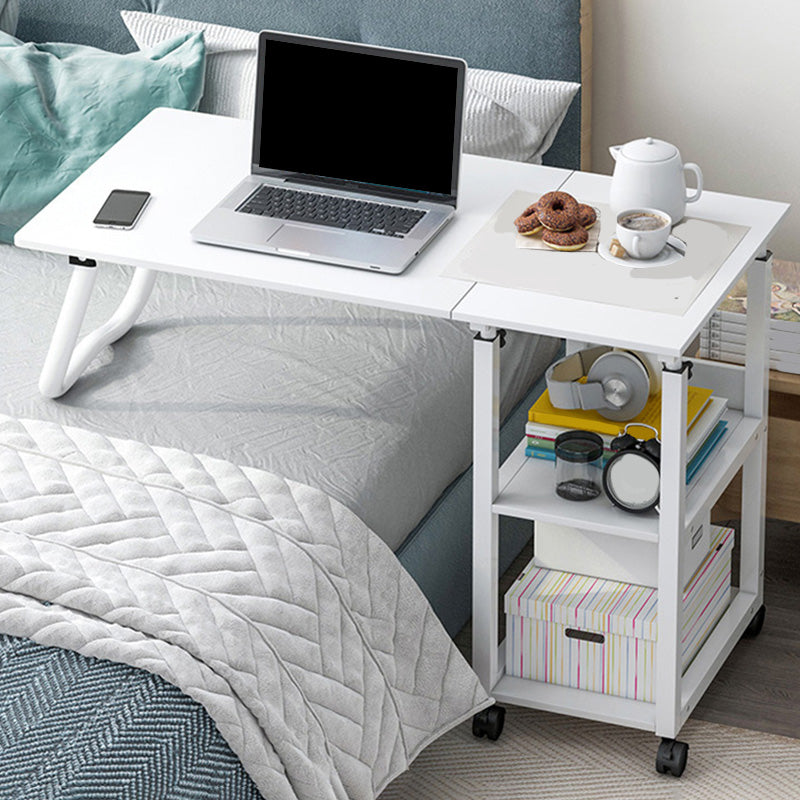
600, 635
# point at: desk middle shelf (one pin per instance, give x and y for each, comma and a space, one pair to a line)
526, 487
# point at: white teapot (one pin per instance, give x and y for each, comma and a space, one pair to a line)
649, 174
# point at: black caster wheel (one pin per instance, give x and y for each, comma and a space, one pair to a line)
489, 722
671, 757
756, 624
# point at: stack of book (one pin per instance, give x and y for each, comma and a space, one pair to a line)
723, 336
705, 426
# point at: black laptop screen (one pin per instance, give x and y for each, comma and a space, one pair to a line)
359, 117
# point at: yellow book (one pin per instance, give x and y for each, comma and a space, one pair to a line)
543, 412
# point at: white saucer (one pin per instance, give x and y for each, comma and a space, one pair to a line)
673, 251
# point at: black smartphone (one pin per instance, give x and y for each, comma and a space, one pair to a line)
122, 209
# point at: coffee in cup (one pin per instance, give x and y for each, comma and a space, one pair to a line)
643, 232
643, 221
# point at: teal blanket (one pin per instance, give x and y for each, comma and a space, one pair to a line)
73, 727
63, 105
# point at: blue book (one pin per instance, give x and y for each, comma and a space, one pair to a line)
712, 440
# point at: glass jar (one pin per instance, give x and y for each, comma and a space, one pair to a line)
579, 465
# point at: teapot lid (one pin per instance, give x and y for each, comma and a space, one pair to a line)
649, 149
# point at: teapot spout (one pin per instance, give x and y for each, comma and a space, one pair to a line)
614, 150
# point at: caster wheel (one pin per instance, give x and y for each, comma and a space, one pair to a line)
489, 722
756, 624
671, 757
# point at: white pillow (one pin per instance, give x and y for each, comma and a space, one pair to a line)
230, 59
506, 116
513, 117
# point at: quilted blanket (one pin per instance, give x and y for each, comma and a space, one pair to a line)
269, 603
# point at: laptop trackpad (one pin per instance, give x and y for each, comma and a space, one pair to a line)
302, 239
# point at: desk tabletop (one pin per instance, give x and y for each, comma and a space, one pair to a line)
662, 333
190, 161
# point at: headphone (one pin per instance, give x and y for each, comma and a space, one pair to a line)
632, 476
618, 382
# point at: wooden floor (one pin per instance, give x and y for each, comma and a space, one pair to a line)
758, 687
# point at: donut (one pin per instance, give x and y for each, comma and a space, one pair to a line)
587, 216
558, 211
566, 240
528, 221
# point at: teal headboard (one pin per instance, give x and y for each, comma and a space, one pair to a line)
539, 38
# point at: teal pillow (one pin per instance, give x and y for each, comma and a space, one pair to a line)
63, 105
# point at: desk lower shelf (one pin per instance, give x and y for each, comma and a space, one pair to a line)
575, 702
633, 713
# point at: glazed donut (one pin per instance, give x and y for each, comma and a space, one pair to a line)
587, 216
558, 211
566, 240
528, 221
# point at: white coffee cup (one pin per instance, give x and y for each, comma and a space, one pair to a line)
643, 232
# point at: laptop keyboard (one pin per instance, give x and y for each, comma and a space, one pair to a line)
338, 212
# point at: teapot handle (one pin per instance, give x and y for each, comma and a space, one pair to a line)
692, 167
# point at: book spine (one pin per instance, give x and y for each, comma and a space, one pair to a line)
532, 451
738, 347
716, 354
545, 443
549, 433
535, 452
737, 331
789, 326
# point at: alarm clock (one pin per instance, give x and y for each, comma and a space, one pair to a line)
631, 476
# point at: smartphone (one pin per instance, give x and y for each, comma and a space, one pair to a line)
122, 209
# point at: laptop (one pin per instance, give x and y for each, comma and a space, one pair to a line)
356, 153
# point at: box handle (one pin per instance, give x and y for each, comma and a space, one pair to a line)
585, 636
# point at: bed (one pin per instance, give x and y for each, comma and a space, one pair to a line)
334, 396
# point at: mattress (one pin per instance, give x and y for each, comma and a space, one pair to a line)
373, 407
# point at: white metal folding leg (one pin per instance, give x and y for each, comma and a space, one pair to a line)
485, 525
67, 358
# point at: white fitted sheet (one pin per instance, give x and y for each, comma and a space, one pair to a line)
373, 407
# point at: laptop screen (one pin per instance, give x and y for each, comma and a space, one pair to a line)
363, 116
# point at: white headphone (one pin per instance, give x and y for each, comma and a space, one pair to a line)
618, 382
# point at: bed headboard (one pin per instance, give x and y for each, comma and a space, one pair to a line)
538, 38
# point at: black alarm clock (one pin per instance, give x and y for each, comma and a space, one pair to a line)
632, 477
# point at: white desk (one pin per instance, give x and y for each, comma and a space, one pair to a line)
189, 162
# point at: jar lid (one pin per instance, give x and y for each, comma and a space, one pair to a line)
579, 447
649, 149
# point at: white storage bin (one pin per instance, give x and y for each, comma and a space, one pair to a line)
616, 558
600, 635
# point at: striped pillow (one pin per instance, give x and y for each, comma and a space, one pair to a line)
512, 116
